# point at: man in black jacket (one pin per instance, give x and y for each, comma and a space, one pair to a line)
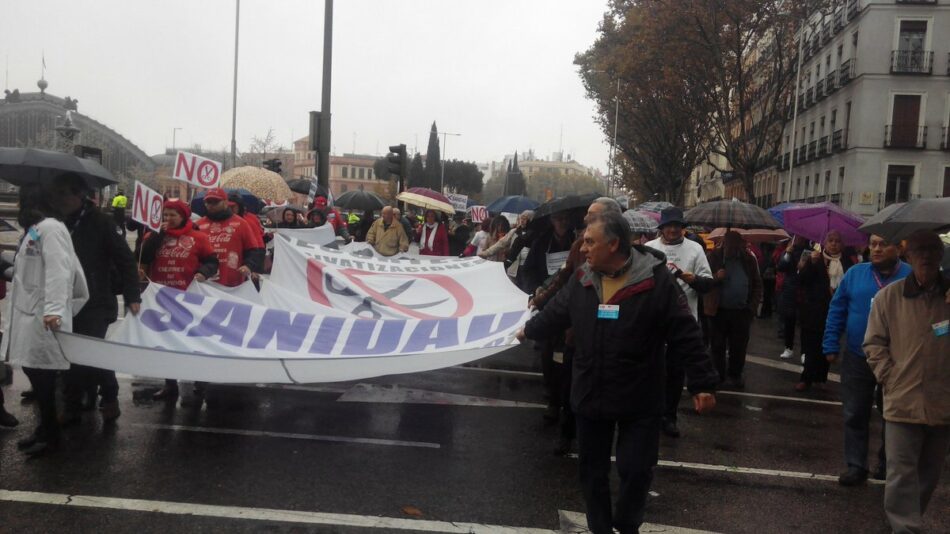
625, 307
109, 268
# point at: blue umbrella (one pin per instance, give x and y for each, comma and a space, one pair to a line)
251, 202
779, 211
512, 204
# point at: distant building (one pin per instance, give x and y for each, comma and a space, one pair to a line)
874, 107
349, 172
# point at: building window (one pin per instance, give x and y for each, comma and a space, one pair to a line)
346, 172
840, 180
899, 178
798, 188
827, 182
904, 129
362, 173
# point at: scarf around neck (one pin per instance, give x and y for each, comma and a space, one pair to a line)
431, 229
835, 269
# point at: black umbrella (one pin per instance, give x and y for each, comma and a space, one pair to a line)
359, 200
561, 204
302, 186
21, 166
898, 221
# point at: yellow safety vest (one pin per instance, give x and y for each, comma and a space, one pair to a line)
120, 201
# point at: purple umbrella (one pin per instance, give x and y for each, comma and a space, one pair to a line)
814, 221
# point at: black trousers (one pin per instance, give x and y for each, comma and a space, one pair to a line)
568, 423
638, 442
43, 382
789, 319
551, 370
675, 377
82, 378
730, 330
813, 330
768, 294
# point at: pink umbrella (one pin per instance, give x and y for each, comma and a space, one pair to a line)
755, 235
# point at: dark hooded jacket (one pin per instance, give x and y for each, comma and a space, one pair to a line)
618, 366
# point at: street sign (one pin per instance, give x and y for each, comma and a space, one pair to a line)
459, 202
196, 170
147, 206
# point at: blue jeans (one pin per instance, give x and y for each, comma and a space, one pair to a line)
857, 397
638, 443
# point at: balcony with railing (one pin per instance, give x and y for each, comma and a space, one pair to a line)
830, 83
839, 140
912, 62
825, 33
819, 90
905, 136
784, 162
838, 23
801, 101
823, 146
852, 9
809, 96
846, 72
812, 147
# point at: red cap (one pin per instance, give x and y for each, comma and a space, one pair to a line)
320, 202
179, 206
217, 193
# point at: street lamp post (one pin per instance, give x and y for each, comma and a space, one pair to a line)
613, 145
174, 131
444, 141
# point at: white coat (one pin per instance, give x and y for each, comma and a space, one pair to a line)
47, 280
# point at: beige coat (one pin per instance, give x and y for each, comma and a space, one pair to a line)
388, 242
906, 355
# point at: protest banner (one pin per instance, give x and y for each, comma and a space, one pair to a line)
459, 202
196, 170
147, 206
478, 214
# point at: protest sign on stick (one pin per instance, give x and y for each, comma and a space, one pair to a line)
147, 206
196, 170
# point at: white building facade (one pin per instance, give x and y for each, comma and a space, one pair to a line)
873, 111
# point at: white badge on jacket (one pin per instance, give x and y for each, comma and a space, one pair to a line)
608, 311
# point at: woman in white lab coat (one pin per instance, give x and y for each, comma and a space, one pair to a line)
48, 289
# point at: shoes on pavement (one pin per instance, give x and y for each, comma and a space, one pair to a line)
7, 419
787, 354
110, 410
670, 428
802, 386
563, 447
854, 476
881, 472
165, 394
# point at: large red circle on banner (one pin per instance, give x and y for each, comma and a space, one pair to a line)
155, 212
207, 173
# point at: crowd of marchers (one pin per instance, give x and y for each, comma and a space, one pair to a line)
627, 316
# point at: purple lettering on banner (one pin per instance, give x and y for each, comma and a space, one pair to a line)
440, 333
453, 266
345, 263
395, 269
329, 332
481, 326
178, 316
290, 333
237, 316
361, 334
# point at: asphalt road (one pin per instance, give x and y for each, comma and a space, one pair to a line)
456, 450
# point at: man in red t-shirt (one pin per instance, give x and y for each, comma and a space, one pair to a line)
239, 251
237, 206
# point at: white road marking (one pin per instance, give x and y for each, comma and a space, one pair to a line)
776, 397
746, 470
261, 514
576, 523
785, 366
498, 371
287, 435
400, 395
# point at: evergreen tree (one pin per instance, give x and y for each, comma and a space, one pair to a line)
416, 172
433, 174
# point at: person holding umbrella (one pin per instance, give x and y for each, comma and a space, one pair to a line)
819, 275
433, 236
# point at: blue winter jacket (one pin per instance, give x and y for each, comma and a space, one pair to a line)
851, 306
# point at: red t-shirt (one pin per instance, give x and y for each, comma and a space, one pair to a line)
335, 218
178, 258
255, 225
229, 239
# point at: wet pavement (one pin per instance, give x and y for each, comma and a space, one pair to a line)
455, 450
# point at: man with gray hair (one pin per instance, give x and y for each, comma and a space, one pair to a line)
629, 316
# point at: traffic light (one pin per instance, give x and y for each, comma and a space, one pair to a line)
397, 163
273, 165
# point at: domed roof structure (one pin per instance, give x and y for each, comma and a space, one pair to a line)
263, 183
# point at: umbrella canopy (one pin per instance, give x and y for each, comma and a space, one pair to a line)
897, 223
655, 215
731, 214
640, 222
814, 221
557, 205
251, 202
778, 211
21, 166
262, 183
513, 204
427, 199
360, 200
656, 206
302, 186
754, 235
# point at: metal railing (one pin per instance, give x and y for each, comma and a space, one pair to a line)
912, 61
905, 136
819, 89
852, 9
838, 21
823, 147
809, 96
846, 72
812, 146
839, 140
831, 84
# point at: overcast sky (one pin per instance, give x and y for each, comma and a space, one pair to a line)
500, 72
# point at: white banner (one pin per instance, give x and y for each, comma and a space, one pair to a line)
321, 235
147, 206
459, 202
196, 170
